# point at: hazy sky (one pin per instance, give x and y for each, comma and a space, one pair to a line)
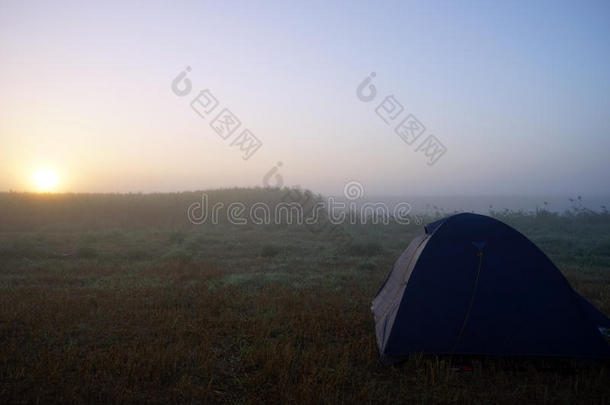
519, 94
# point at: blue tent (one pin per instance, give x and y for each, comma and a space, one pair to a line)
470, 284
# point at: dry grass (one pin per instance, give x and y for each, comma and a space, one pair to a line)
179, 337
165, 315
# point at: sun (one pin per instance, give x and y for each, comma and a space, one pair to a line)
45, 179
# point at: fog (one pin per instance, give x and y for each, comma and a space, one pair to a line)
407, 99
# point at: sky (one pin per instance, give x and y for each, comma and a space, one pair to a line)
514, 96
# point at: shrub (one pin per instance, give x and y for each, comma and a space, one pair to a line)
177, 237
136, 253
363, 249
270, 251
178, 253
86, 252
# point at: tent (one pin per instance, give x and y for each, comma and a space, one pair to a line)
471, 285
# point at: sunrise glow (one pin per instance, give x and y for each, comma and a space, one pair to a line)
45, 179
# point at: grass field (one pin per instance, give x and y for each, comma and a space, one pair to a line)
117, 298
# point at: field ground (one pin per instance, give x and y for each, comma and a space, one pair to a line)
127, 310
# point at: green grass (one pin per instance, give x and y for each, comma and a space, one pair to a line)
158, 311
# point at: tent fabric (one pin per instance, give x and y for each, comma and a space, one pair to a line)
470, 284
